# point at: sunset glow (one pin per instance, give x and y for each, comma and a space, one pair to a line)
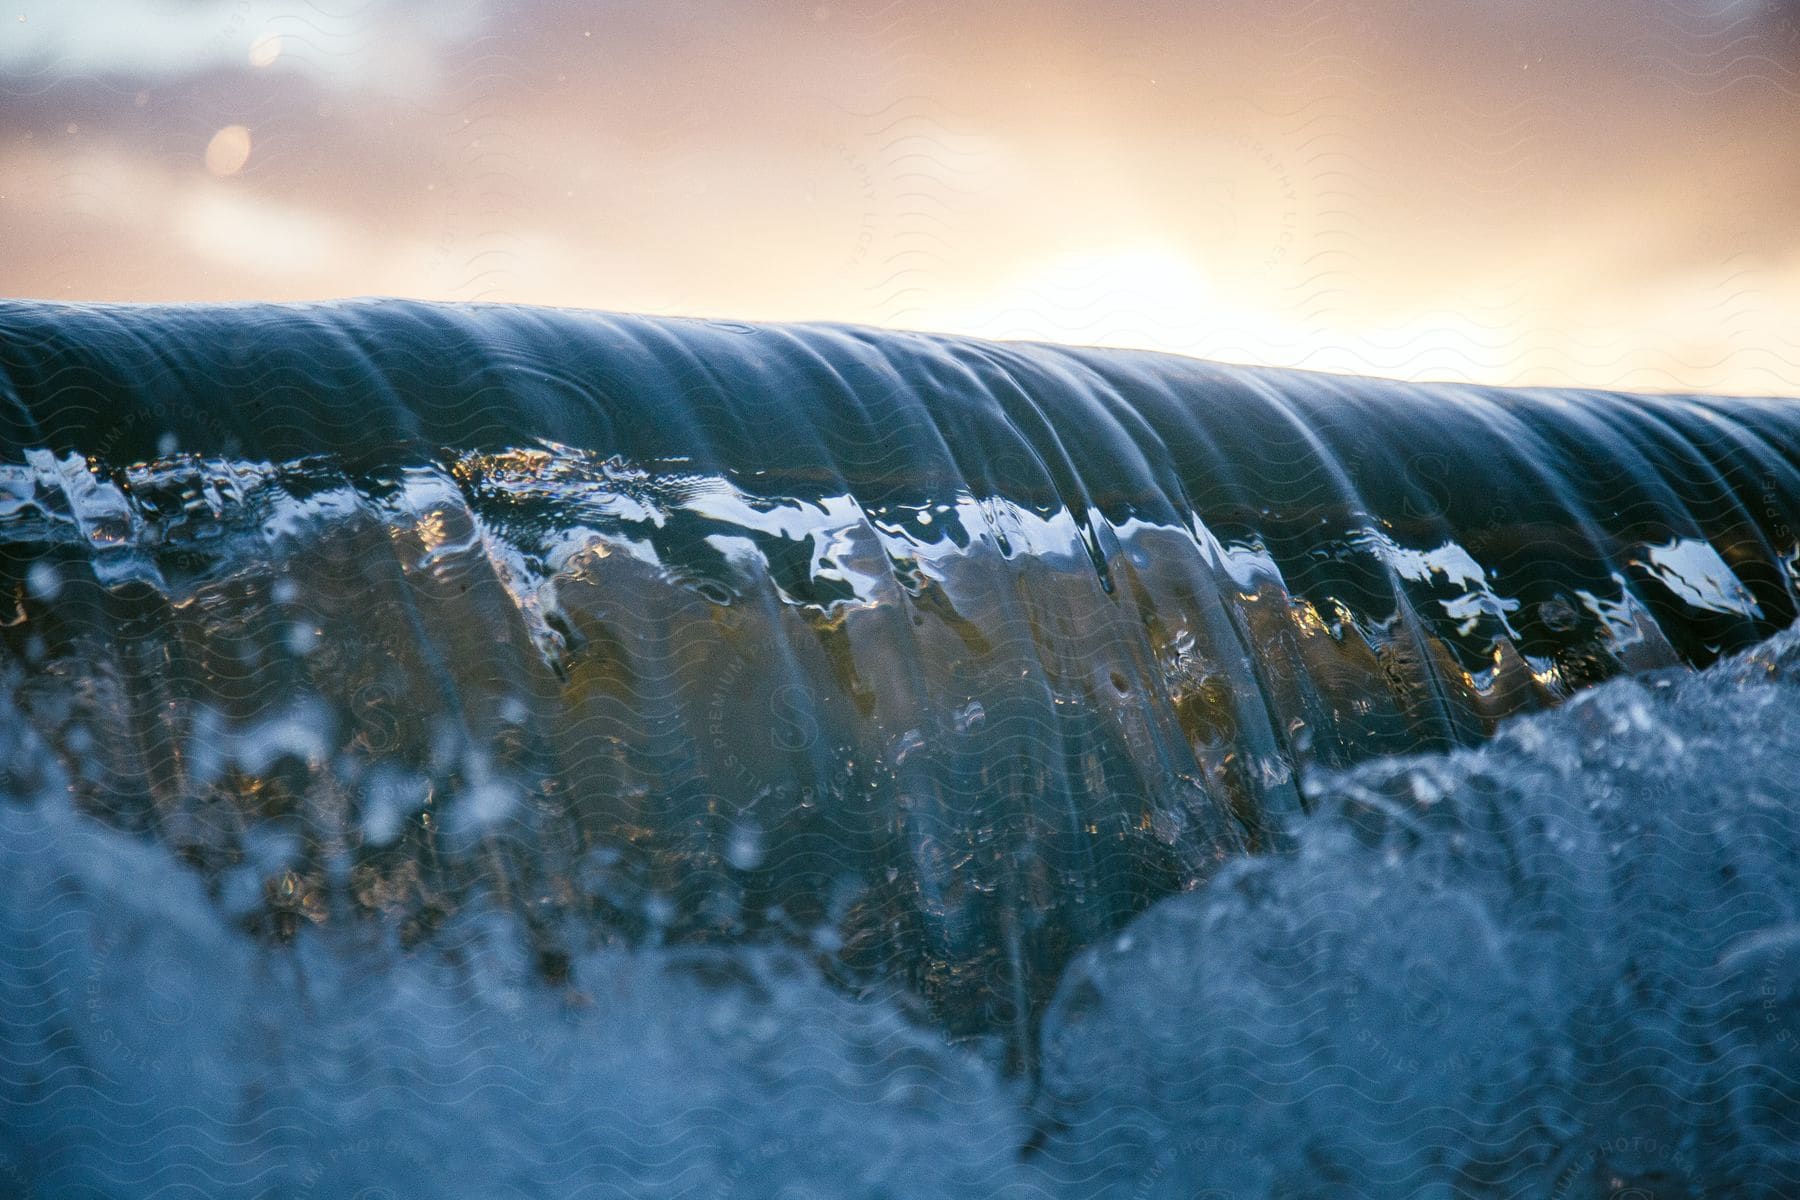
1528, 193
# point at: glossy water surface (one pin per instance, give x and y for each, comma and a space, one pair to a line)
934, 659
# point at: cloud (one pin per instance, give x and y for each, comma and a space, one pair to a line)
1538, 192
158, 41
236, 229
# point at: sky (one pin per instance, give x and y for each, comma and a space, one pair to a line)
1503, 191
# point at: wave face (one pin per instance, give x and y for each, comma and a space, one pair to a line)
931, 660
1565, 964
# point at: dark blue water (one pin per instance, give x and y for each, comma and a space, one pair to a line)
555, 752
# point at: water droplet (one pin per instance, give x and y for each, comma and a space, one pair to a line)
43, 580
745, 851
228, 151
265, 50
390, 797
1557, 614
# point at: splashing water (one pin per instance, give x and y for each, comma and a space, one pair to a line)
585, 703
